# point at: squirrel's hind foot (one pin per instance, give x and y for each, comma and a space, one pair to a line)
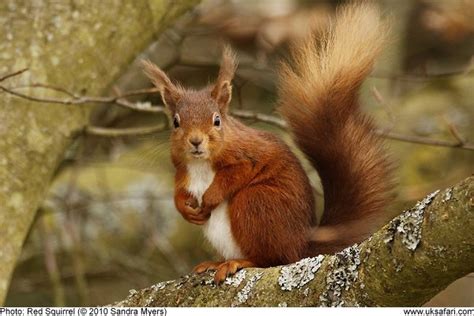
223, 268
206, 266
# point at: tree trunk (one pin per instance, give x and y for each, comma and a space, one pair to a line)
81, 46
405, 263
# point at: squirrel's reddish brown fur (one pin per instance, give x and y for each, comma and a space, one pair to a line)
269, 199
319, 99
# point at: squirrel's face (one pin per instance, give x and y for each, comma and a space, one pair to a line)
198, 126
199, 117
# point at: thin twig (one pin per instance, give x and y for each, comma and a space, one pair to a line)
454, 131
48, 87
120, 132
75, 100
260, 117
388, 109
424, 76
13, 74
390, 135
425, 140
141, 107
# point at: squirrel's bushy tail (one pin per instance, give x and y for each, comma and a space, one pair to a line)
318, 95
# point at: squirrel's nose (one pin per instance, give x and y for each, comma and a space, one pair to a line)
195, 141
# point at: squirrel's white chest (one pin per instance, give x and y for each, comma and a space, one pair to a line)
217, 229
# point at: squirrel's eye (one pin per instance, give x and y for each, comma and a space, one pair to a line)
217, 121
176, 121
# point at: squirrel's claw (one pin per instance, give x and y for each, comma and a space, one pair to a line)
223, 268
229, 268
206, 266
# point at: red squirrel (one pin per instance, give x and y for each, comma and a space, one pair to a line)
245, 186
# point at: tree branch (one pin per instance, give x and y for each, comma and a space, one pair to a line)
383, 133
120, 132
425, 140
405, 263
121, 100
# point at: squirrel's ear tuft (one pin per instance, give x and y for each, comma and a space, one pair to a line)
222, 90
169, 92
228, 65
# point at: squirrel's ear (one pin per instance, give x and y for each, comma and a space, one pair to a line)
170, 98
222, 93
169, 92
222, 90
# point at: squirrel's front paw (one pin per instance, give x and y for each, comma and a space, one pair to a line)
195, 215
190, 210
210, 202
192, 202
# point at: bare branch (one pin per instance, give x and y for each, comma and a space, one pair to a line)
48, 87
454, 131
388, 109
13, 74
120, 132
120, 99
427, 76
390, 135
260, 117
425, 140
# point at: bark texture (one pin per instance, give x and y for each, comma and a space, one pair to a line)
81, 46
405, 263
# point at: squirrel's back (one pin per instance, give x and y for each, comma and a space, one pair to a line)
318, 95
